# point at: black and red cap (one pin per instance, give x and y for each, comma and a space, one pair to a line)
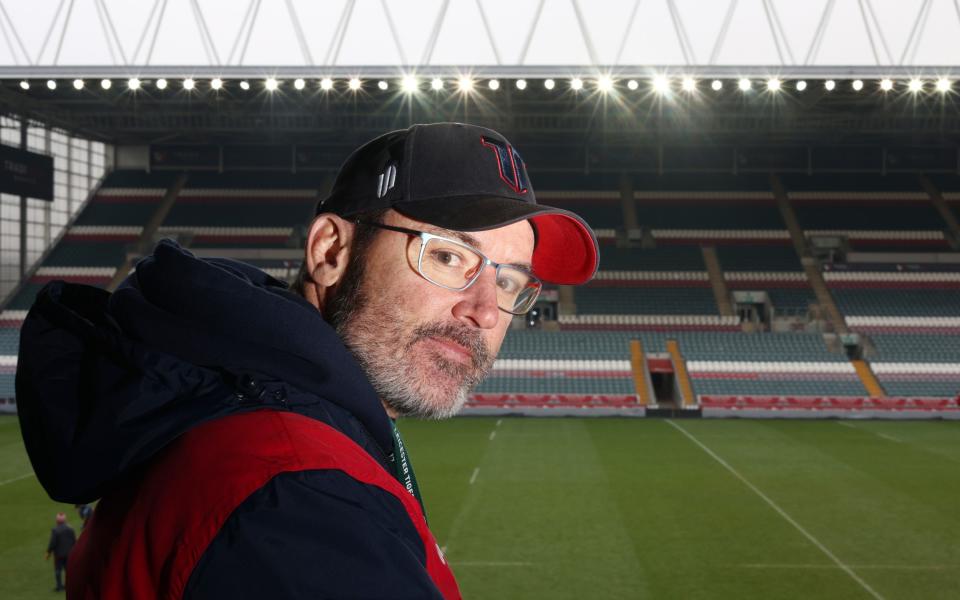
464, 178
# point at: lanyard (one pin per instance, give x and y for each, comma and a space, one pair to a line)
403, 469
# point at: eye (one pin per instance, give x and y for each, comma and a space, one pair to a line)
508, 284
446, 258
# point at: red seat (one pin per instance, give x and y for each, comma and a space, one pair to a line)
847, 403
804, 401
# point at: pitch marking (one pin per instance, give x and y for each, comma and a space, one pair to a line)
499, 421
871, 567
473, 477
493, 434
846, 569
876, 433
489, 563
16, 479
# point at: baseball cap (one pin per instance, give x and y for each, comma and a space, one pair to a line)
464, 178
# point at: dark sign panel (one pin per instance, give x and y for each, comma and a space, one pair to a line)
26, 173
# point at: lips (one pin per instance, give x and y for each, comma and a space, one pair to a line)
453, 349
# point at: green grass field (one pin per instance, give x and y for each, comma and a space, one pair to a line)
620, 508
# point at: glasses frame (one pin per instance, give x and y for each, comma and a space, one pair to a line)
426, 236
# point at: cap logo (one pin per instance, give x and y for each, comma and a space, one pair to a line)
509, 164
386, 180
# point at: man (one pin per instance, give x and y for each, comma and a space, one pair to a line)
62, 539
85, 511
241, 435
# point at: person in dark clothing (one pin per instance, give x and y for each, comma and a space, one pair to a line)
241, 435
62, 540
85, 511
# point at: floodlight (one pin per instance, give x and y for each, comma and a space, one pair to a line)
773, 84
299, 83
689, 84
78, 84
326, 84
161, 84
801, 85
354, 84
383, 85
436, 84
51, 84
216, 83
549, 84
244, 85
409, 84
189, 84
943, 84
465, 84
915, 85
106, 84
133, 83
494, 84
829, 85
605, 84
857, 85
633, 84
271, 84
744, 84
717, 85
576, 84
521, 84
661, 84
886, 85
24, 85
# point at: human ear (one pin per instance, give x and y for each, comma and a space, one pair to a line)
328, 250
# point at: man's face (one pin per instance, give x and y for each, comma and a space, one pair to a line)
425, 347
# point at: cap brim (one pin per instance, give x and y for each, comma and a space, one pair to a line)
566, 253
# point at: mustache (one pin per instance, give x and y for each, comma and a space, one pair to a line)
468, 338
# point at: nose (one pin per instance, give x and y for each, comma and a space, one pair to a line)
477, 305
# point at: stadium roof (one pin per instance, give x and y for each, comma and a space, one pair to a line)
504, 38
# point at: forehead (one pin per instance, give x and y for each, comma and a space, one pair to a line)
512, 244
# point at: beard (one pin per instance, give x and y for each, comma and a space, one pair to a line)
412, 381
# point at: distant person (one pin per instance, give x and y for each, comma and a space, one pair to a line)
85, 511
62, 539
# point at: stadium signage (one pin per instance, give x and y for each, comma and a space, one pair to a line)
24, 173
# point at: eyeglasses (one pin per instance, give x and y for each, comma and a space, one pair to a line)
453, 265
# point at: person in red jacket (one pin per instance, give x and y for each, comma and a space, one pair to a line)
241, 435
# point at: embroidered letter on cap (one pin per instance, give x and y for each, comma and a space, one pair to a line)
386, 180
509, 163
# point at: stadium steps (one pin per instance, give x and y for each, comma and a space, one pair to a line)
869, 380
687, 398
642, 380
719, 285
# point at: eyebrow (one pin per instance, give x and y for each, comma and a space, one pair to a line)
469, 240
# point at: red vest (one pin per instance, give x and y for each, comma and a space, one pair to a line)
145, 537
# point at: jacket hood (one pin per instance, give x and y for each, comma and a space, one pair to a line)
106, 380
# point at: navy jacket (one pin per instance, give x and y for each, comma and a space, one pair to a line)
105, 381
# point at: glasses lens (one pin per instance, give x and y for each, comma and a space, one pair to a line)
449, 264
517, 290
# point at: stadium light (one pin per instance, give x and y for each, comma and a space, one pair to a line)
576, 84
409, 84
716, 85
161, 84
801, 85
436, 84
521, 84
605, 84
886, 85
689, 84
106, 84
633, 84
383, 85
494, 84
744, 84
549, 84
943, 85
774, 84
189, 84
354, 83
465, 84
661, 84
299, 83
829, 85
271, 84
51, 84
915, 85
133, 83
78, 84
216, 83
326, 84
244, 85
857, 85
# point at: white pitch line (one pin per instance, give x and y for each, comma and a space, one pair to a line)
867, 567
493, 434
498, 422
489, 563
473, 478
887, 437
876, 433
16, 479
846, 569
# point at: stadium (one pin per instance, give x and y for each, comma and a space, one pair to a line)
757, 395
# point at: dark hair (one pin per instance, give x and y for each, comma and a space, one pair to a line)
362, 237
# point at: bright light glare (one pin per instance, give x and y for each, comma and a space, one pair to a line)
465, 84
689, 84
244, 85
605, 84
106, 84
299, 83
51, 84
133, 83
886, 85
632, 84
801, 85
661, 84
436, 84
773, 84
216, 83
943, 85
383, 85
494, 84
409, 84
189, 84
549, 84
576, 84
161, 84
354, 84
521, 84
78, 84
271, 84
744, 84
915, 85
24, 85
829, 85
326, 84
717, 85
857, 84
